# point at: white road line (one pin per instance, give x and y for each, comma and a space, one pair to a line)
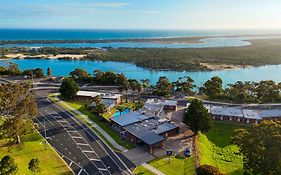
77, 137
96, 160
87, 151
80, 148
83, 144
72, 117
102, 169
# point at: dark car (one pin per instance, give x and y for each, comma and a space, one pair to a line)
187, 152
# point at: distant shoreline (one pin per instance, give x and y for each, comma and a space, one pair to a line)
156, 40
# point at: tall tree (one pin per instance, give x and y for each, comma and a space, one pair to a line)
163, 87
260, 146
139, 88
49, 72
198, 117
213, 88
100, 109
68, 88
33, 165
80, 75
17, 107
8, 166
133, 85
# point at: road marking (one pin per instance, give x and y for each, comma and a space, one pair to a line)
77, 137
96, 160
87, 151
83, 144
102, 169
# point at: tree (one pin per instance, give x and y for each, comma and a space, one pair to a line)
212, 88
185, 85
133, 85
33, 165
49, 72
139, 89
80, 75
163, 87
17, 107
38, 73
198, 117
8, 166
120, 108
268, 91
260, 146
97, 99
68, 88
100, 109
208, 170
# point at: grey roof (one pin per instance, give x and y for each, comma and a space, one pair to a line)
226, 111
129, 118
106, 102
164, 127
142, 133
270, 113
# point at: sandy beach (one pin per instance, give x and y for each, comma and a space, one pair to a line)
45, 56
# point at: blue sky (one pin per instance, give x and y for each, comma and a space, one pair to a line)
141, 14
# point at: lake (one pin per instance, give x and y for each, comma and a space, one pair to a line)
63, 67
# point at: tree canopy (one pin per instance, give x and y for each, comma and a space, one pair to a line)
212, 88
198, 117
260, 146
8, 166
68, 88
17, 107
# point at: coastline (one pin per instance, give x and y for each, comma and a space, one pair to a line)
209, 66
155, 40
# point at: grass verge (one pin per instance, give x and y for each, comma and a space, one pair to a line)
215, 149
142, 171
50, 162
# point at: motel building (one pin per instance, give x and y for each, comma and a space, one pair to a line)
109, 100
147, 127
144, 129
242, 115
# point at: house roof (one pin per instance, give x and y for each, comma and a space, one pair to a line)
130, 118
142, 133
226, 111
270, 113
251, 114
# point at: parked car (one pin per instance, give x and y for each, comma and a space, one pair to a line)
187, 152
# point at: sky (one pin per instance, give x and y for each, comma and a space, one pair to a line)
141, 14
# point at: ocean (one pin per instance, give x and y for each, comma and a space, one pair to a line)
92, 34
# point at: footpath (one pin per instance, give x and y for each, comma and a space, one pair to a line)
152, 169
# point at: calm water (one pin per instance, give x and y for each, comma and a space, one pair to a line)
52, 34
63, 67
68, 34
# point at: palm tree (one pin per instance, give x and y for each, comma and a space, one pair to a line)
139, 89
120, 108
133, 85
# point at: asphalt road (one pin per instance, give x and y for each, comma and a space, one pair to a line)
77, 144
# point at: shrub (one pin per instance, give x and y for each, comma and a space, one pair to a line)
208, 170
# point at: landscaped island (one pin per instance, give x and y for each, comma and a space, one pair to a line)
261, 52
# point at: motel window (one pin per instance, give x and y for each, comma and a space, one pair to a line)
248, 121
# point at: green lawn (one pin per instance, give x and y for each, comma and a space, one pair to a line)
142, 171
215, 149
50, 162
177, 166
